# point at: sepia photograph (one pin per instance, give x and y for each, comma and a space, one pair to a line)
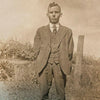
49, 50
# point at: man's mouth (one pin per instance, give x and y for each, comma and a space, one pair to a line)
53, 19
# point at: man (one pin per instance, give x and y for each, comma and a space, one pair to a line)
53, 51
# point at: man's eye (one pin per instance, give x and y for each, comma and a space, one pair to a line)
51, 12
56, 12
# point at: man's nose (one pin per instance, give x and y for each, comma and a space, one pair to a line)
53, 14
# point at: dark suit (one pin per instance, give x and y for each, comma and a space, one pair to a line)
42, 50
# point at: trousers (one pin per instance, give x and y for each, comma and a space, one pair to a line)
45, 80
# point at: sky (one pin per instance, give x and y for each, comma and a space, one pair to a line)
21, 18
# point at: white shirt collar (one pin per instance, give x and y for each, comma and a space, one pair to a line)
51, 26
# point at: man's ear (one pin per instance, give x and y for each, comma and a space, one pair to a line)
61, 14
47, 14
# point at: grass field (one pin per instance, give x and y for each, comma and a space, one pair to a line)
20, 85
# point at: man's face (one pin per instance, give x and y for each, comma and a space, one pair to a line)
54, 14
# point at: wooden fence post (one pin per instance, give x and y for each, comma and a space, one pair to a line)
79, 57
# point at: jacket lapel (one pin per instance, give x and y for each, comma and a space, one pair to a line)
60, 35
47, 35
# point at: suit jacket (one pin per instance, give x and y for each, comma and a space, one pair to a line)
42, 48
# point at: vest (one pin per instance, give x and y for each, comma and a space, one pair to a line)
54, 53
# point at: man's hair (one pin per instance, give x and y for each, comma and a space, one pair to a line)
54, 4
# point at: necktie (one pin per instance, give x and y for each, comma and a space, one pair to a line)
54, 29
